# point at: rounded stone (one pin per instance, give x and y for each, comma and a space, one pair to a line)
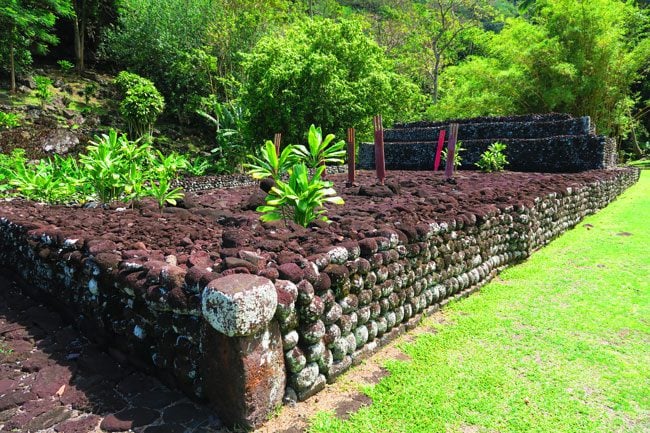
339, 348
313, 332
314, 352
239, 304
306, 377
360, 336
295, 360
290, 340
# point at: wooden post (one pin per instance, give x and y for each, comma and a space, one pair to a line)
451, 148
351, 145
380, 162
277, 139
441, 142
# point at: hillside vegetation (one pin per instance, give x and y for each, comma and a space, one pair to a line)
246, 69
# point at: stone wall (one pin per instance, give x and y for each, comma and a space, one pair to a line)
242, 341
541, 143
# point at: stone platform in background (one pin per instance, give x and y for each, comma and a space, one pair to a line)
553, 143
160, 289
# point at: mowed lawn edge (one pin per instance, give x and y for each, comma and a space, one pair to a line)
559, 343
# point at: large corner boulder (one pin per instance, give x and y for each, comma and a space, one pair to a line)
243, 359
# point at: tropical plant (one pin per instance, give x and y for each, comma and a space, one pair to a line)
168, 166
301, 198
320, 152
65, 65
199, 166
105, 165
90, 90
228, 121
269, 164
458, 158
494, 158
164, 193
9, 120
43, 91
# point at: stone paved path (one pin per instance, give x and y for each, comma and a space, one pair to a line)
53, 380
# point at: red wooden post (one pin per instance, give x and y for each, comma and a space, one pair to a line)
277, 139
451, 148
351, 144
380, 162
441, 142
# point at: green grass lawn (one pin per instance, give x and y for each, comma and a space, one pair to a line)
560, 343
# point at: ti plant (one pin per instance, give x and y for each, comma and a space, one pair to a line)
320, 152
269, 164
458, 158
494, 158
164, 194
301, 198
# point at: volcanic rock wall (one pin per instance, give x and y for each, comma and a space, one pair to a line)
238, 339
540, 143
342, 306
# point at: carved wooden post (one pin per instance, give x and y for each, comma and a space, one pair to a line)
243, 361
441, 142
380, 162
277, 139
451, 148
351, 145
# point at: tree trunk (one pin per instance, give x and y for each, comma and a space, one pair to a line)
12, 67
436, 73
80, 34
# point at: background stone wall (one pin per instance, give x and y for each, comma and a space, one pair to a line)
540, 143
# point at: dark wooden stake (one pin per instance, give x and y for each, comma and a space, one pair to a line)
277, 139
451, 148
380, 162
441, 143
351, 145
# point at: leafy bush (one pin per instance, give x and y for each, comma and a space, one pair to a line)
494, 158
90, 90
65, 65
326, 71
228, 121
9, 120
303, 196
43, 91
141, 105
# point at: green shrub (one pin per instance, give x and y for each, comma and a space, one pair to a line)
228, 120
43, 91
9, 120
320, 152
90, 90
494, 158
141, 104
322, 71
65, 65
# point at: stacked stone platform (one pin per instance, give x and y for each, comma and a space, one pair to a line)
539, 143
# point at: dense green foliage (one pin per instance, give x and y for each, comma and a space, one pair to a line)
141, 103
25, 28
252, 68
112, 168
322, 71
